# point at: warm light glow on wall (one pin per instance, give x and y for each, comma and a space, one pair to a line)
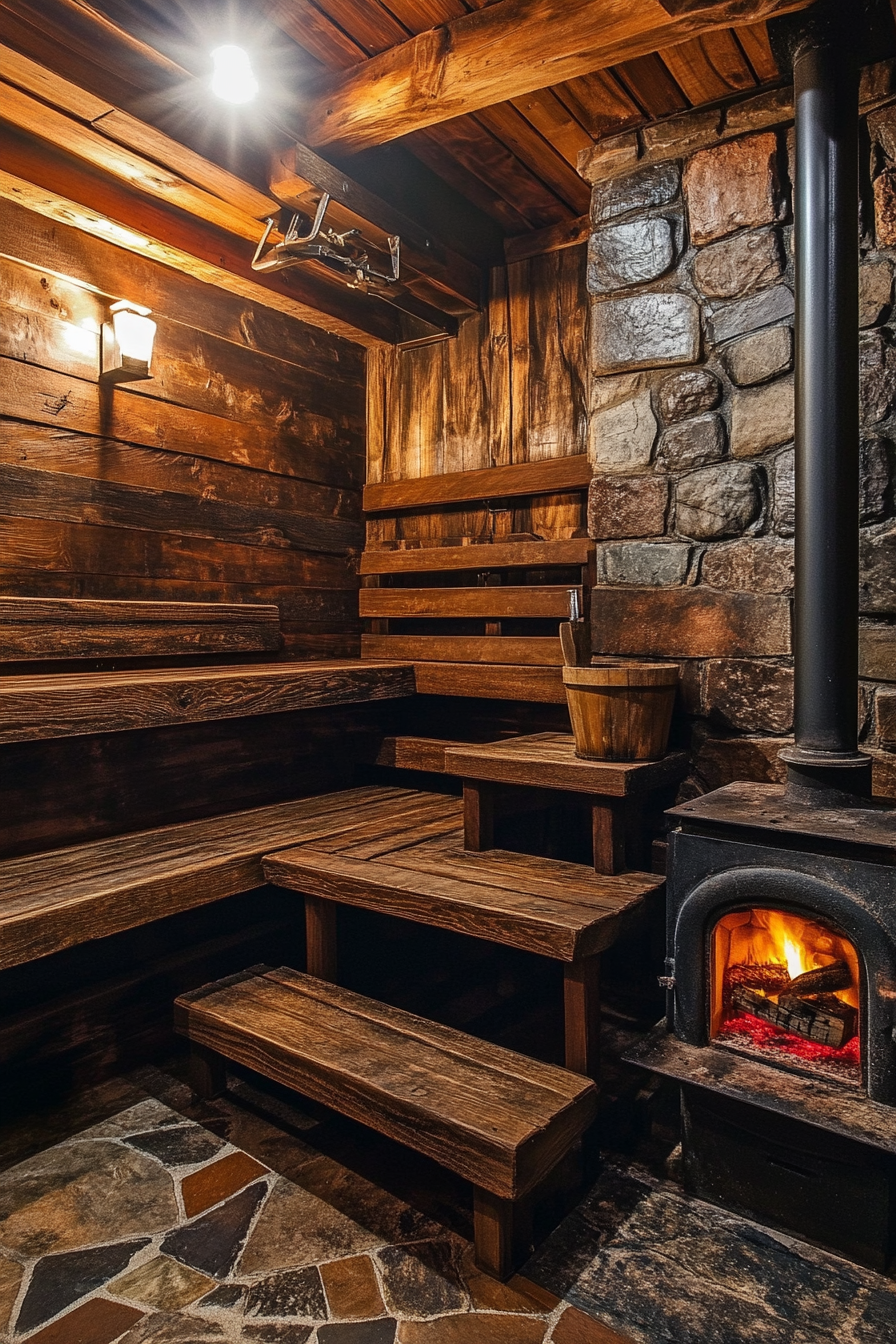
233, 78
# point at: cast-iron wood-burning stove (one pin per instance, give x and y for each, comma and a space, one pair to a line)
781, 951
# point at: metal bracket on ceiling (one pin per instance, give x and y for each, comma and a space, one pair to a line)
345, 253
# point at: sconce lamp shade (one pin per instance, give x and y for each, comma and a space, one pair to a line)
127, 343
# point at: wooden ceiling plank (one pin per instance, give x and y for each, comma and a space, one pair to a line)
367, 22
652, 86
462, 152
570, 233
553, 119
537, 153
709, 67
753, 38
418, 15
455, 69
600, 103
315, 32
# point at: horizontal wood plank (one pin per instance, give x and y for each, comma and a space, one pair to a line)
447, 602
60, 898
414, 753
548, 761
81, 628
490, 682
498, 555
490, 1115
564, 921
519, 478
537, 652
75, 704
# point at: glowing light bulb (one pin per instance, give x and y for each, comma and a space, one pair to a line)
233, 78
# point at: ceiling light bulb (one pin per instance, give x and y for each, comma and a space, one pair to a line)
233, 78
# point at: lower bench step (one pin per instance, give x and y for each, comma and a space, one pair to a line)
499, 1119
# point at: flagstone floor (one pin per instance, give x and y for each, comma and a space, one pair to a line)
151, 1226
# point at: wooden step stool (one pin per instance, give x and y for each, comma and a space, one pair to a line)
497, 775
493, 1116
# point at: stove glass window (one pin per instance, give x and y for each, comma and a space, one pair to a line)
786, 988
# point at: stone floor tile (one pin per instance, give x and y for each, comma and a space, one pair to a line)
296, 1228
276, 1334
162, 1283
95, 1322
389, 1217
79, 1194
294, 1292
208, 1186
359, 1332
59, 1280
574, 1327
519, 1294
10, 1281
473, 1328
146, 1115
353, 1293
212, 1243
423, 1279
179, 1146
226, 1297
173, 1327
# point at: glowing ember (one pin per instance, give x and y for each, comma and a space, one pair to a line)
767, 1037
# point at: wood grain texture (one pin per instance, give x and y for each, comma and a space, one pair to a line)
414, 753
534, 652
442, 602
564, 915
548, 761
520, 478
499, 555
541, 44
61, 898
490, 682
32, 627
491, 1115
75, 704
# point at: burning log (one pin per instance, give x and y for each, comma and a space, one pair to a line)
823, 980
827, 1020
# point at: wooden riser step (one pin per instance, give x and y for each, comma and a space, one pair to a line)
495, 1117
72, 704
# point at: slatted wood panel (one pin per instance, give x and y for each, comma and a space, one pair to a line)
493, 1116
74, 704
233, 476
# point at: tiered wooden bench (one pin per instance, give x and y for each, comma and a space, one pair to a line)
63, 897
499, 1119
412, 864
489, 584
496, 774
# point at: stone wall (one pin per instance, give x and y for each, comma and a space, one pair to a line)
690, 274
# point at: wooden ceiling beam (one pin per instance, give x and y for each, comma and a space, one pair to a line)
503, 52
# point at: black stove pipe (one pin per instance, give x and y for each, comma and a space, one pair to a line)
825, 766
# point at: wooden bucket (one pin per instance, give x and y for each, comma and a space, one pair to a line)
621, 711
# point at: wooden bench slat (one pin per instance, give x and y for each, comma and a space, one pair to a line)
556, 928
489, 1114
518, 478
539, 651
494, 555
415, 753
489, 682
535, 602
62, 627
58, 899
57, 705
549, 761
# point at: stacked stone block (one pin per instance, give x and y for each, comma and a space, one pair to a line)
690, 277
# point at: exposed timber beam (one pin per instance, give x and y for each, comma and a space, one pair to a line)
504, 51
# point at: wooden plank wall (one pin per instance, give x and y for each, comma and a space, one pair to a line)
512, 388
209, 483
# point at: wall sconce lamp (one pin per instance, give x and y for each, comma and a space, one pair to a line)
127, 343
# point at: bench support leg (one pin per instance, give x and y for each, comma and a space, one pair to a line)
501, 1231
320, 938
208, 1072
581, 1007
608, 832
479, 815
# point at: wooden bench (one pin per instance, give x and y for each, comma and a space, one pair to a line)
63, 897
45, 628
497, 775
515, 589
495, 1117
412, 865
71, 704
